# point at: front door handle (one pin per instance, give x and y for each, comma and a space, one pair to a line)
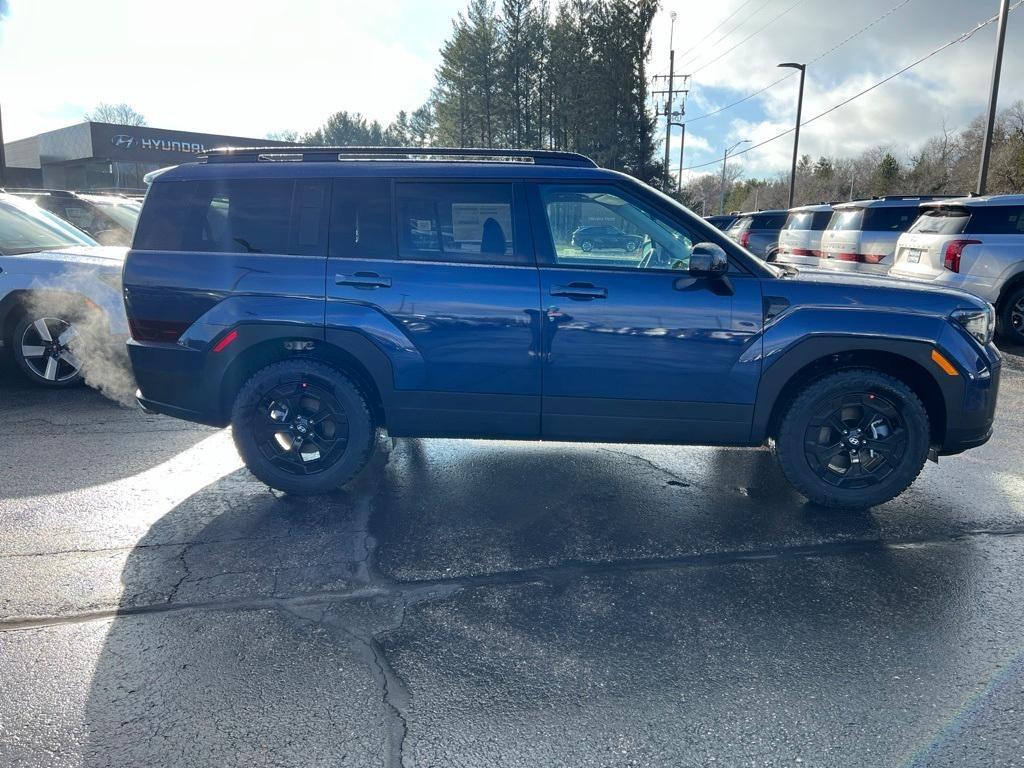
363, 280
584, 291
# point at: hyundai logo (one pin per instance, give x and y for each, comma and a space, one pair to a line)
123, 141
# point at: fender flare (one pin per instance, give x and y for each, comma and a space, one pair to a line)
778, 375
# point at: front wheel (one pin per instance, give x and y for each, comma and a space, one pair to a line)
302, 427
854, 439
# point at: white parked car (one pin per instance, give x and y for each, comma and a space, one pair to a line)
800, 238
60, 294
975, 244
861, 236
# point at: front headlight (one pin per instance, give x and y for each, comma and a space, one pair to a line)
980, 323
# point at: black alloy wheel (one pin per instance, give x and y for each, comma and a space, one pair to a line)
303, 427
856, 440
853, 439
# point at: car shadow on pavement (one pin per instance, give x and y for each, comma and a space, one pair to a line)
60, 440
258, 628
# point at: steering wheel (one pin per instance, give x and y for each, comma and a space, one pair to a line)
647, 249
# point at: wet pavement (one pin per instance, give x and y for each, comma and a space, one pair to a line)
496, 604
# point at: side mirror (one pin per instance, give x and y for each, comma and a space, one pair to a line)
707, 260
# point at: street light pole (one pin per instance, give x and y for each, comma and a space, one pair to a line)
993, 99
796, 134
725, 159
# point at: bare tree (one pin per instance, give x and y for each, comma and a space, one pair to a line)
120, 114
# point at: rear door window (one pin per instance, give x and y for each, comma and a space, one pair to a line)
284, 216
460, 222
941, 221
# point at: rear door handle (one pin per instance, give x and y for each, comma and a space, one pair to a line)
579, 291
363, 280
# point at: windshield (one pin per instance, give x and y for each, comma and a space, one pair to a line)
125, 214
26, 228
941, 221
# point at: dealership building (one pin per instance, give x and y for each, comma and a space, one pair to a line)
107, 156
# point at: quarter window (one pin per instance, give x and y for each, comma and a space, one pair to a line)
997, 220
458, 222
280, 216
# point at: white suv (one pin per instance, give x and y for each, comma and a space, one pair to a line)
972, 243
800, 238
862, 235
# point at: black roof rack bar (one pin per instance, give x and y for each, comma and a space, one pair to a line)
395, 154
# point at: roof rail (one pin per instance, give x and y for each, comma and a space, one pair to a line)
40, 191
399, 154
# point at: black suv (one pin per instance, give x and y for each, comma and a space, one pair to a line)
310, 297
604, 238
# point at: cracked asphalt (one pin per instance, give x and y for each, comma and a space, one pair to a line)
496, 604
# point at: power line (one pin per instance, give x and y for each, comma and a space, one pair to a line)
962, 38
756, 32
816, 59
721, 24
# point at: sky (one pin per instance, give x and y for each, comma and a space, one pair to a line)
249, 68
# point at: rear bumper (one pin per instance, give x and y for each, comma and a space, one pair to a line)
174, 380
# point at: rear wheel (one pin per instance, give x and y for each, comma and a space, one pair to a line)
587, 245
44, 350
854, 439
302, 427
1011, 316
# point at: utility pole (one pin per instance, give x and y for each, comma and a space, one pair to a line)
670, 92
993, 99
796, 135
725, 159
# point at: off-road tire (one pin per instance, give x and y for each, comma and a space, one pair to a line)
362, 432
789, 444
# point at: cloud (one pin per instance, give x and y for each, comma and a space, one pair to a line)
209, 67
947, 91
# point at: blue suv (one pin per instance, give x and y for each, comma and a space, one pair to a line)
312, 297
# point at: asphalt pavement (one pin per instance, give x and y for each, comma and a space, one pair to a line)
469, 603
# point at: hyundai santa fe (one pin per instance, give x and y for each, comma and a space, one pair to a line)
975, 244
312, 297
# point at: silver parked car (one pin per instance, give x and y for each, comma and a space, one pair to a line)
800, 238
861, 235
758, 232
975, 244
59, 292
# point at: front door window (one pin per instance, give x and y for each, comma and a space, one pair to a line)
599, 227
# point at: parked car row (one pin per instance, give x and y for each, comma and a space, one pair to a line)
975, 244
